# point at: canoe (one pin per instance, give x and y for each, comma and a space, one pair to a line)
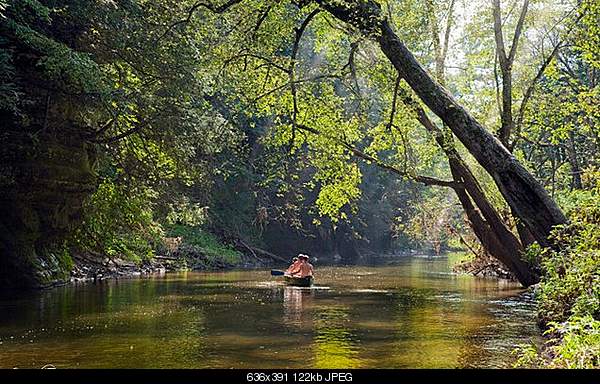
298, 281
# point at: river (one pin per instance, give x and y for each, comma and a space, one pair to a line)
414, 314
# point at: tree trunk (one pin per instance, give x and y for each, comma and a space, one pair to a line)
506, 62
494, 235
487, 224
526, 197
526, 237
499, 247
574, 162
506, 119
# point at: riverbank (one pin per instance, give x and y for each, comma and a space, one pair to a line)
484, 266
179, 257
94, 269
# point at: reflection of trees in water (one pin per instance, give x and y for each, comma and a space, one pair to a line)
442, 332
335, 345
118, 324
444, 320
295, 301
507, 323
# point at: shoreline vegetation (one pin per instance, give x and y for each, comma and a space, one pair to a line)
568, 297
188, 249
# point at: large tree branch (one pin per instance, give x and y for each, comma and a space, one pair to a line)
506, 63
498, 35
292, 70
427, 180
449, 19
214, 8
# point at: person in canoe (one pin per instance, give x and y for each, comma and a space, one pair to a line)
305, 269
293, 267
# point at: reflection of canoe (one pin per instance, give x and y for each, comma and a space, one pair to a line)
298, 281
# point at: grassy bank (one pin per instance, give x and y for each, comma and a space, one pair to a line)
200, 249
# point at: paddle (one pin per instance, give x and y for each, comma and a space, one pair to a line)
275, 272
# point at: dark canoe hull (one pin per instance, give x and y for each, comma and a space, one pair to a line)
299, 281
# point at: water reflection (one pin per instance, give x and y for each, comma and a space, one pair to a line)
335, 345
296, 301
415, 314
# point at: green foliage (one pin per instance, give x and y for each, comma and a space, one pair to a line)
118, 225
29, 23
571, 284
572, 344
9, 93
579, 345
199, 241
588, 34
207, 118
569, 293
527, 356
185, 212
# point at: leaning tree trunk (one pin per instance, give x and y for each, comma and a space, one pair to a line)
527, 198
497, 247
487, 224
496, 238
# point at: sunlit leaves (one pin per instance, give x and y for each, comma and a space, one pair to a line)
118, 224
587, 41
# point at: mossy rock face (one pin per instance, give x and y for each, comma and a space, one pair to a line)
46, 177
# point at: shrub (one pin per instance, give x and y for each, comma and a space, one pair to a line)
578, 343
118, 224
569, 293
196, 240
571, 281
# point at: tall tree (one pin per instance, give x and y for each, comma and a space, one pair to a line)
524, 194
506, 64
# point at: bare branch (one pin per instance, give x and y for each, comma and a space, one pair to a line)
121, 136
449, 19
214, 8
253, 55
529, 92
261, 19
498, 33
394, 100
518, 30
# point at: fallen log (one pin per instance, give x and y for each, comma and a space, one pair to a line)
255, 251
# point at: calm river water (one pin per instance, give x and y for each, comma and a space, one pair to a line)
414, 314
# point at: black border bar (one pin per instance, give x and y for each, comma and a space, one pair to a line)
303, 376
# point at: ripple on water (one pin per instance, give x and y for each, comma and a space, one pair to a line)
370, 290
